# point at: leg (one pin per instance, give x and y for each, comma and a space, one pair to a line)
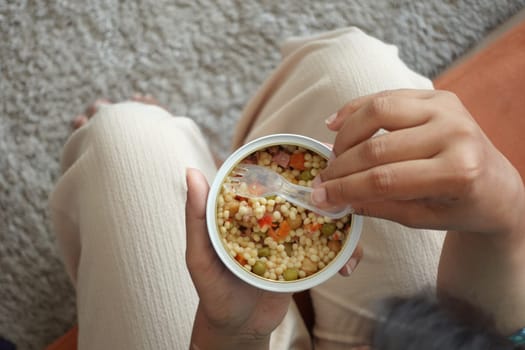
316, 78
118, 211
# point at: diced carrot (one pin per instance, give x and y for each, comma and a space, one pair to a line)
273, 234
284, 230
297, 161
281, 233
312, 227
240, 259
266, 220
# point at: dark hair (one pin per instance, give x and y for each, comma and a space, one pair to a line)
423, 323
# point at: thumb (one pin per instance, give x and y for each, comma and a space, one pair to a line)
197, 241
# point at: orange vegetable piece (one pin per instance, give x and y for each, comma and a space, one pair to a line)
266, 220
284, 230
281, 233
297, 161
312, 227
240, 259
273, 234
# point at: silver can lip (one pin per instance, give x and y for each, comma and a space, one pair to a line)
211, 218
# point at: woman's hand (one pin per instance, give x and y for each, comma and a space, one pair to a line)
434, 169
231, 313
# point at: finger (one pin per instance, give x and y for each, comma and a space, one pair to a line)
417, 179
389, 113
92, 109
352, 263
421, 142
415, 213
198, 245
79, 121
335, 121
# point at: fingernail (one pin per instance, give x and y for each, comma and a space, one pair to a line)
330, 119
316, 181
352, 263
319, 195
346, 271
79, 121
349, 267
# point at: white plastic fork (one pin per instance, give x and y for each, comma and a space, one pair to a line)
255, 181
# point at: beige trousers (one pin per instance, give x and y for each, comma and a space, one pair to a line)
118, 210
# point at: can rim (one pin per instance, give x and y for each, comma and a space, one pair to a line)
211, 218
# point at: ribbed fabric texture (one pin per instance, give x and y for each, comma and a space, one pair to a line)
122, 199
317, 77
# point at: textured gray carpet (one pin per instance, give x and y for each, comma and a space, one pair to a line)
201, 58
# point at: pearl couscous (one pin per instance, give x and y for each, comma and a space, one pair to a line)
271, 237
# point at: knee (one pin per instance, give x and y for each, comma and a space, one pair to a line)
342, 45
131, 121
355, 63
126, 134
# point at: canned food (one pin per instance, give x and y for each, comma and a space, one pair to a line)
268, 242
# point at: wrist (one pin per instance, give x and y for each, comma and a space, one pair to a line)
509, 208
206, 336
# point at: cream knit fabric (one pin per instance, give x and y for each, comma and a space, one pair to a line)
317, 77
118, 210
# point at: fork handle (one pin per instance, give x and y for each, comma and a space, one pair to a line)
302, 196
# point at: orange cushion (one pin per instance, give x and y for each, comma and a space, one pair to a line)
491, 84
67, 342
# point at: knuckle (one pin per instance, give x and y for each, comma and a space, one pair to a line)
328, 173
446, 94
336, 192
340, 191
468, 131
385, 93
381, 180
448, 97
374, 150
469, 168
379, 106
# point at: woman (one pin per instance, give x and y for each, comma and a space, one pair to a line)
119, 209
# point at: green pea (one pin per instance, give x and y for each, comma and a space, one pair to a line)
290, 274
271, 197
306, 175
259, 268
262, 252
328, 228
